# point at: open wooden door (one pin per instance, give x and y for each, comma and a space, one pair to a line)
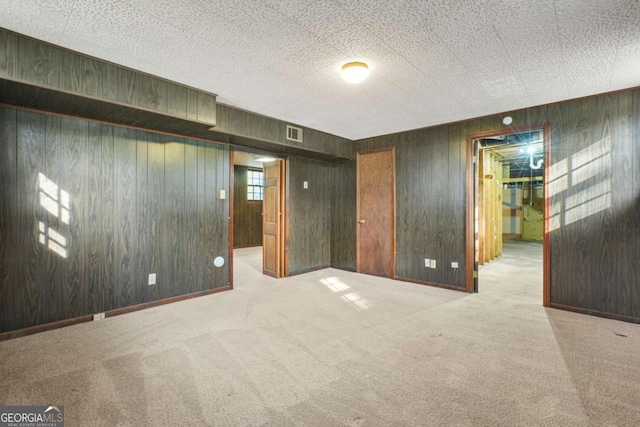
376, 207
273, 219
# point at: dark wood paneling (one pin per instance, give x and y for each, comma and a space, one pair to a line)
9, 227
8, 49
190, 218
133, 203
177, 101
143, 222
128, 92
51, 305
173, 211
104, 293
247, 216
209, 209
309, 243
206, 108
152, 93
54, 79
454, 239
155, 216
633, 210
125, 248
343, 216
31, 268
254, 130
192, 104
82, 75
442, 193
110, 82
218, 175
203, 224
593, 250
94, 249
39, 63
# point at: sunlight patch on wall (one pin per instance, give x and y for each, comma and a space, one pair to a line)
585, 180
56, 203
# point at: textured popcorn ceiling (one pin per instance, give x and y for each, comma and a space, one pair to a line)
431, 61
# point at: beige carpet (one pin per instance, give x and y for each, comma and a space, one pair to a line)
336, 348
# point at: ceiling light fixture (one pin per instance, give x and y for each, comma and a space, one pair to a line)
355, 72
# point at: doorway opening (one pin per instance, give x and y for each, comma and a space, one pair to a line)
508, 207
258, 210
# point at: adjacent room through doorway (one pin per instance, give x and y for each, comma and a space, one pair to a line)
510, 207
258, 209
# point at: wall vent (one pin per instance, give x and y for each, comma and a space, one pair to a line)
294, 133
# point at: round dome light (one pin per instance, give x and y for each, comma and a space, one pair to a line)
355, 72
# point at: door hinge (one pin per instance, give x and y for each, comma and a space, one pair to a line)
475, 159
475, 274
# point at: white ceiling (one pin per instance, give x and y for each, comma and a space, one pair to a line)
431, 62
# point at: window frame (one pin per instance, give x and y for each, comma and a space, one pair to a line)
255, 184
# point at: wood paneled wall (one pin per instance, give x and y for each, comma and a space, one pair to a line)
138, 203
430, 197
309, 236
23, 59
343, 216
247, 216
274, 132
594, 187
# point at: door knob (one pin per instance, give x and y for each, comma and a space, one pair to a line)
361, 221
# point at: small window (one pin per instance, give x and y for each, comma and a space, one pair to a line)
254, 185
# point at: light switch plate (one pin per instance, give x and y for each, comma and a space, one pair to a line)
305, 185
433, 263
427, 262
223, 194
152, 279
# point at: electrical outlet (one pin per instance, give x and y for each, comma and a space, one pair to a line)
433, 263
152, 279
305, 185
454, 264
223, 194
98, 316
427, 262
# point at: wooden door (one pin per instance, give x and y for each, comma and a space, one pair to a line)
272, 219
376, 208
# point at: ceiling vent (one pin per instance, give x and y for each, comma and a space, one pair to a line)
294, 134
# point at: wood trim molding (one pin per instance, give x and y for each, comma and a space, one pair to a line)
340, 267
110, 313
470, 234
231, 213
308, 270
286, 229
546, 248
435, 285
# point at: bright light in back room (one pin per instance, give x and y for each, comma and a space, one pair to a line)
354, 72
